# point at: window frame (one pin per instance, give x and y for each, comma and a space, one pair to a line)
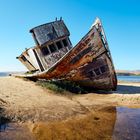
59, 42
52, 46
44, 50
67, 43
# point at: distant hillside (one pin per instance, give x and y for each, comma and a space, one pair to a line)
128, 72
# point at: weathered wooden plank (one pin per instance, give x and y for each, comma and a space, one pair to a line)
89, 63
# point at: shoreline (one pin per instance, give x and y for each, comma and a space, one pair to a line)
21, 100
39, 109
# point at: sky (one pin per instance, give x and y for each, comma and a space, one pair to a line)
120, 18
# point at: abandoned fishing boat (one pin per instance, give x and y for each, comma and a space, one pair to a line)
89, 63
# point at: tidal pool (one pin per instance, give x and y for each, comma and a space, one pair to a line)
127, 125
109, 123
14, 131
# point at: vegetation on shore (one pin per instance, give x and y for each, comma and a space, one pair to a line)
62, 86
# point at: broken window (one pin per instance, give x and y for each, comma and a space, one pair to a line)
52, 48
97, 71
104, 68
91, 73
44, 50
59, 45
65, 43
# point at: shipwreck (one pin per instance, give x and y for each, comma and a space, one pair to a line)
89, 63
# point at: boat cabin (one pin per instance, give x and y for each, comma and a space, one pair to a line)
52, 43
52, 40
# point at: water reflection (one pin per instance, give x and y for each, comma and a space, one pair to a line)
111, 123
3, 127
3, 123
96, 125
127, 126
14, 131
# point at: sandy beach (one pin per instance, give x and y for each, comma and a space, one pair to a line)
24, 101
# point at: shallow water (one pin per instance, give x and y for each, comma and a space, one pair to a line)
3, 74
14, 131
131, 78
112, 123
127, 126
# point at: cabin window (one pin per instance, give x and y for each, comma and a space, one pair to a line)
52, 48
59, 45
97, 71
44, 50
91, 73
23, 58
104, 68
65, 43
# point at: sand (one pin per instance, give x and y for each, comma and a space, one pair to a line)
48, 115
22, 100
25, 101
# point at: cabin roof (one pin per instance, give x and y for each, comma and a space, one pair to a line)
49, 32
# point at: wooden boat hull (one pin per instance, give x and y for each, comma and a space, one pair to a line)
89, 63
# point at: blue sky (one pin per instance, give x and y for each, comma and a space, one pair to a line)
121, 20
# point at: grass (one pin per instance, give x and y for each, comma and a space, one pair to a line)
61, 86
65, 87
50, 86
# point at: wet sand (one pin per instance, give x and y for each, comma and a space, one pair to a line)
43, 111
